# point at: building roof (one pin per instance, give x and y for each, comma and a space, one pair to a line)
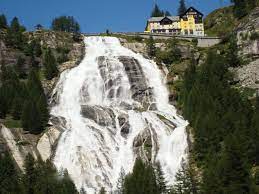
192, 9
158, 19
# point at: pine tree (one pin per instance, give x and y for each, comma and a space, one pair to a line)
234, 173
240, 9
66, 24
31, 117
151, 48
17, 108
167, 13
3, 21
42, 107
142, 180
232, 53
19, 68
67, 184
156, 12
34, 85
182, 8
9, 180
174, 51
15, 35
50, 65
160, 179
185, 182
255, 127
30, 175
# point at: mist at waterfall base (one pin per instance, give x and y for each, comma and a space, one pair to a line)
112, 102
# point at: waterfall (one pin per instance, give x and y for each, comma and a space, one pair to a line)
115, 108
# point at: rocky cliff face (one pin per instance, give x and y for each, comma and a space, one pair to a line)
248, 42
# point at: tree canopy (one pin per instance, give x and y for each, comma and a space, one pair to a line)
182, 7
65, 24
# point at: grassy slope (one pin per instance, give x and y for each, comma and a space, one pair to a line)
220, 22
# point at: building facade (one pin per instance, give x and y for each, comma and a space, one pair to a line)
189, 24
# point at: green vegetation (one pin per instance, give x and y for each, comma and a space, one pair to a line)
15, 36
3, 22
35, 112
151, 47
220, 22
39, 177
65, 24
172, 54
243, 7
186, 181
12, 123
50, 65
157, 12
141, 180
225, 134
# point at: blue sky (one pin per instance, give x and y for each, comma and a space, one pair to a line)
97, 15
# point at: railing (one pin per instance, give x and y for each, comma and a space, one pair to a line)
155, 34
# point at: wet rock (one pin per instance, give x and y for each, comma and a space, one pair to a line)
101, 115
143, 145
124, 124
58, 122
19, 144
48, 142
139, 87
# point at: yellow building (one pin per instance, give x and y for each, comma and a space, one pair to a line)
190, 24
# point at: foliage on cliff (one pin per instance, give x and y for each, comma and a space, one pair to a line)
38, 178
225, 134
220, 22
65, 24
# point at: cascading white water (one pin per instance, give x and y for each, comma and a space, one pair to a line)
108, 102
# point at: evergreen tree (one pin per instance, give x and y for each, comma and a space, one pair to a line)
19, 68
240, 8
3, 21
232, 52
66, 24
68, 187
50, 65
15, 35
160, 180
17, 108
174, 51
233, 169
142, 180
42, 107
30, 176
156, 12
185, 182
255, 127
151, 48
167, 13
182, 8
9, 180
31, 117
34, 85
